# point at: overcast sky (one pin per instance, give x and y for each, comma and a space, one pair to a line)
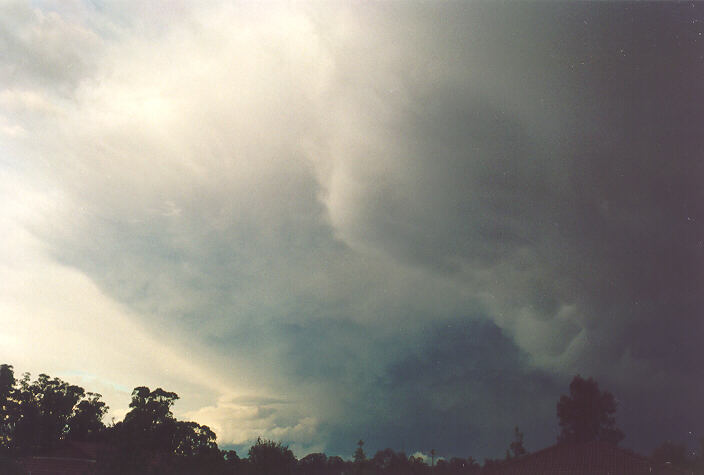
409, 223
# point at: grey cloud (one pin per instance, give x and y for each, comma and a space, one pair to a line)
42, 49
603, 217
321, 220
441, 392
460, 179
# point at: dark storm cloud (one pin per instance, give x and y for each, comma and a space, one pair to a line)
639, 205
604, 217
407, 223
457, 384
463, 387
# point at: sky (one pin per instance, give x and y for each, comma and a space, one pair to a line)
408, 223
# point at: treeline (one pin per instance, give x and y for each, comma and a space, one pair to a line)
36, 415
40, 416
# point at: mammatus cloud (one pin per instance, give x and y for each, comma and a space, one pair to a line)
337, 209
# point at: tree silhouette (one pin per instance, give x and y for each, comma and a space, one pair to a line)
587, 414
150, 438
336, 464
359, 455
271, 458
86, 422
37, 416
149, 425
516, 447
388, 461
7, 382
154, 406
194, 440
8, 407
313, 464
416, 465
45, 412
232, 461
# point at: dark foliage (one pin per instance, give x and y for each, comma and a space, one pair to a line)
587, 414
271, 458
313, 464
359, 455
516, 448
151, 440
37, 416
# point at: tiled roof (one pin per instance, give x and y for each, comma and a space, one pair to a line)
591, 458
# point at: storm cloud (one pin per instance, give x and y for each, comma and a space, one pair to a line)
407, 223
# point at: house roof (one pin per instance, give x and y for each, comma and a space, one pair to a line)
55, 466
591, 458
76, 450
68, 458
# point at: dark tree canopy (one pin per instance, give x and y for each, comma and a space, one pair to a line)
271, 458
152, 405
359, 455
313, 464
38, 415
389, 461
517, 449
150, 435
7, 406
47, 415
587, 414
86, 421
7, 381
